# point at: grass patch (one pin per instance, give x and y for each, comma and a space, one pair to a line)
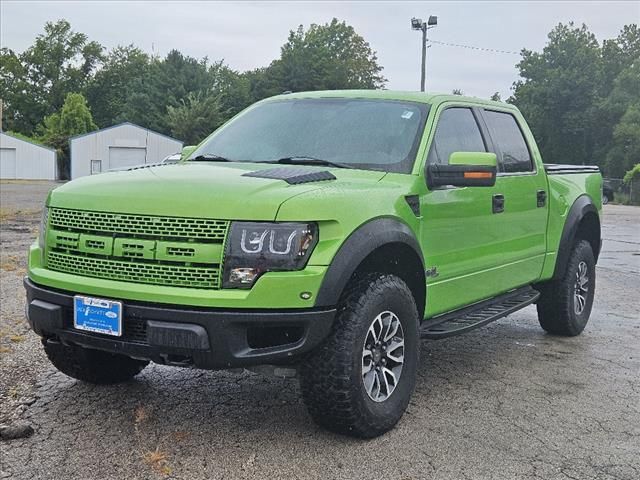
6, 214
28, 181
180, 436
16, 214
140, 414
11, 263
157, 461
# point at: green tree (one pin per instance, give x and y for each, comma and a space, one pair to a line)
196, 117
632, 179
620, 88
59, 61
558, 93
457, 91
264, 82
108, 90
625, 151
575, 92
632, 174
618, 54
324, 57
26, 138
73, 118
496, 97
13, 92
165, 83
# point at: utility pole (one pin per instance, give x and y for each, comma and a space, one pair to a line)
423, 75
418, 24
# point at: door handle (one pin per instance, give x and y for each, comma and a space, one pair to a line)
541, 197
497, 203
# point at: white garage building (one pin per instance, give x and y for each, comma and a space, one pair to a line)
21, 159
119, 146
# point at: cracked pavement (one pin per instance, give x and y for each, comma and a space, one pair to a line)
503, 402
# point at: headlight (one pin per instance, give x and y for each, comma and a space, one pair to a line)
43, 228
255, 248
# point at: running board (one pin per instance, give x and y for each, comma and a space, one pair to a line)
477, 315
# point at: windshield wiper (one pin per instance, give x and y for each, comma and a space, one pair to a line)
209, 157
307, 160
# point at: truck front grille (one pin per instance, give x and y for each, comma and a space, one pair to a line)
129, 271
145, 225
171, 251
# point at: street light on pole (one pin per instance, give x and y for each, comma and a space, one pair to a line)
418, 24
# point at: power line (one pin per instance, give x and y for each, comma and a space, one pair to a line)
492, 50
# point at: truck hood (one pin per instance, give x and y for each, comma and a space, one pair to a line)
195, 189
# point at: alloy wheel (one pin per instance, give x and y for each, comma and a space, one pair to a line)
383, 356
581, 288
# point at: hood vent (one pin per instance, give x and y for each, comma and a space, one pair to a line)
145, 165
292, 175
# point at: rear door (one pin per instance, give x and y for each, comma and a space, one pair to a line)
524, 190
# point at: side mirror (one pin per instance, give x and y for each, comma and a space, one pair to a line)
188, 150
465, 169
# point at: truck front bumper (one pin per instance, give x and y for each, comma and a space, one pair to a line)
206, 338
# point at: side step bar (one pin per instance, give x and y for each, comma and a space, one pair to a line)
474, 316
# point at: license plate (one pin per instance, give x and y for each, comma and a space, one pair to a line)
97, 315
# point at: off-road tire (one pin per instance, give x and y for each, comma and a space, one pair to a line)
92, 366
331, 378
556, 312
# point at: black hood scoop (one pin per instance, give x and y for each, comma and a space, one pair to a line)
292, 175
144, 165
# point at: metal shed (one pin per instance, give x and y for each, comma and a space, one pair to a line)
120, 146
21, 159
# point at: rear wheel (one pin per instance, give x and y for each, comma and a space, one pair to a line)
92, 366
360, 380
565, 304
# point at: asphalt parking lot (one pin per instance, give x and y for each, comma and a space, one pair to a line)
504, 402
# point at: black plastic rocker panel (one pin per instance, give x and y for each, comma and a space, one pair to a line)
478, 315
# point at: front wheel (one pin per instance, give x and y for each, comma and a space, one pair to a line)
360, 380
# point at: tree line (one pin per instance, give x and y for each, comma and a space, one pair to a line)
581, 97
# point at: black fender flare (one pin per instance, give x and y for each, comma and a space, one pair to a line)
364, 240
581, 208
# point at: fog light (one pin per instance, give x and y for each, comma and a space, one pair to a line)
244, 276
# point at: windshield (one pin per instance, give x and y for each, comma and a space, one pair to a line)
357, 133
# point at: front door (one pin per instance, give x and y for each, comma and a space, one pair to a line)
461, 232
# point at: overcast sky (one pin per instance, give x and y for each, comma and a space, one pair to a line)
249, 34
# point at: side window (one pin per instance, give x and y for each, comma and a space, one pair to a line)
513, 154
457, 131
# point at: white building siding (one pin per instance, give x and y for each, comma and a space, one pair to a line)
119, 146
20, 159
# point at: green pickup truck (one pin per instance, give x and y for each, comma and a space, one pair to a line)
323, 234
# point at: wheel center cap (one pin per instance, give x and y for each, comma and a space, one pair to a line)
377, 355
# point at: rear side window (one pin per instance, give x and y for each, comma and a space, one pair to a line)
513, 153
457, 131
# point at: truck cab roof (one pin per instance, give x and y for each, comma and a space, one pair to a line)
421, 97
